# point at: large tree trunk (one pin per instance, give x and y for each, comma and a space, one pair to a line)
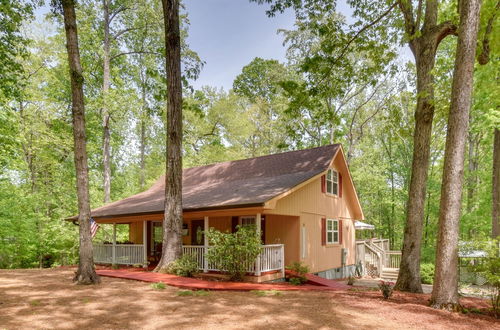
423, 44
86, 272
106, 139
172, 229
495, 212
409, 271
445, 286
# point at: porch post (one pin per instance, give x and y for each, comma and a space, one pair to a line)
205, 243
144, 243
257, 261
114, 244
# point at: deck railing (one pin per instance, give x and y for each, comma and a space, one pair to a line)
272, 258
121, 254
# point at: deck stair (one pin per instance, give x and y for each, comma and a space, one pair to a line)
390, 274
377, 259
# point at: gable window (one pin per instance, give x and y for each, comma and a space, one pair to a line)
332, 182
332, 231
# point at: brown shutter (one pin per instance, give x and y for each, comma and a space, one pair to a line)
340, 231
340, 185
323, 183
234, 223
323, 231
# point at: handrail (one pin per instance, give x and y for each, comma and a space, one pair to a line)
372, 250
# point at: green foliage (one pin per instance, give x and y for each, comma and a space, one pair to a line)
386, 288
488, 267
158, 286
427, 273
299, 271
234, 252
185, 266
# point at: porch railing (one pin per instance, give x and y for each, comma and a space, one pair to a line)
122, 254
272, 258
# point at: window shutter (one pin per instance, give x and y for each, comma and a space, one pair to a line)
340, 232
323, 183
323, 231
340, 185
234, 223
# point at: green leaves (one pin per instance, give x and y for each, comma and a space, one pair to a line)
235, 253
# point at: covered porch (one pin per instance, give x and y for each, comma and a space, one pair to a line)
144, 243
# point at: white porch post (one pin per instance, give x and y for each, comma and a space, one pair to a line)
205, 243
114, 244
282, 250
257, 261
144, 244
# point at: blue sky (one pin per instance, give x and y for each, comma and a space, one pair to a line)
228, 34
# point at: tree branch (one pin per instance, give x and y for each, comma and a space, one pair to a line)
363, 29
407, 11
484, 57
133, 52
442, 30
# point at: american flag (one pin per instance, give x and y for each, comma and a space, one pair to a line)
93, 227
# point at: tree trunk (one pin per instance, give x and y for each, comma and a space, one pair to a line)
495, 212
86, 272
142, 148
445, 287
409, 271
172, 230
106, 79
423, 43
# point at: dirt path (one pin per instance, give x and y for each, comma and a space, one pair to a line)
41, 299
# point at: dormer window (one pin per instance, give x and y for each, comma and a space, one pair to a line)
332, 182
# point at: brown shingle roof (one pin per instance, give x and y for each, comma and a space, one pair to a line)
247, 182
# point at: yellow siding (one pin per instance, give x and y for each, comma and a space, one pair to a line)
311, 205
284, 230
135, 232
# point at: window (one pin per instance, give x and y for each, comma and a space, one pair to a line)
332, 182
247, 221
332, 231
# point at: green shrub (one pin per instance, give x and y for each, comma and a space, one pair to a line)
185, 266
234, 252
488, 267
386, 288
427, 273
158, 286
300, 271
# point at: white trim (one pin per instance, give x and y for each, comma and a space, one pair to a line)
257, 226
333, 180
303, 242
144, 242
206, 228
332, 231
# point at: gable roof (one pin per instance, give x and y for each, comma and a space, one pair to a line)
239, 183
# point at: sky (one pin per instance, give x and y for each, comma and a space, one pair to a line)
229, 34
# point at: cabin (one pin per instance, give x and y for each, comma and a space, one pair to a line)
303, 202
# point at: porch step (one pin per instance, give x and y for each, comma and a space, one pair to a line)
389, 273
